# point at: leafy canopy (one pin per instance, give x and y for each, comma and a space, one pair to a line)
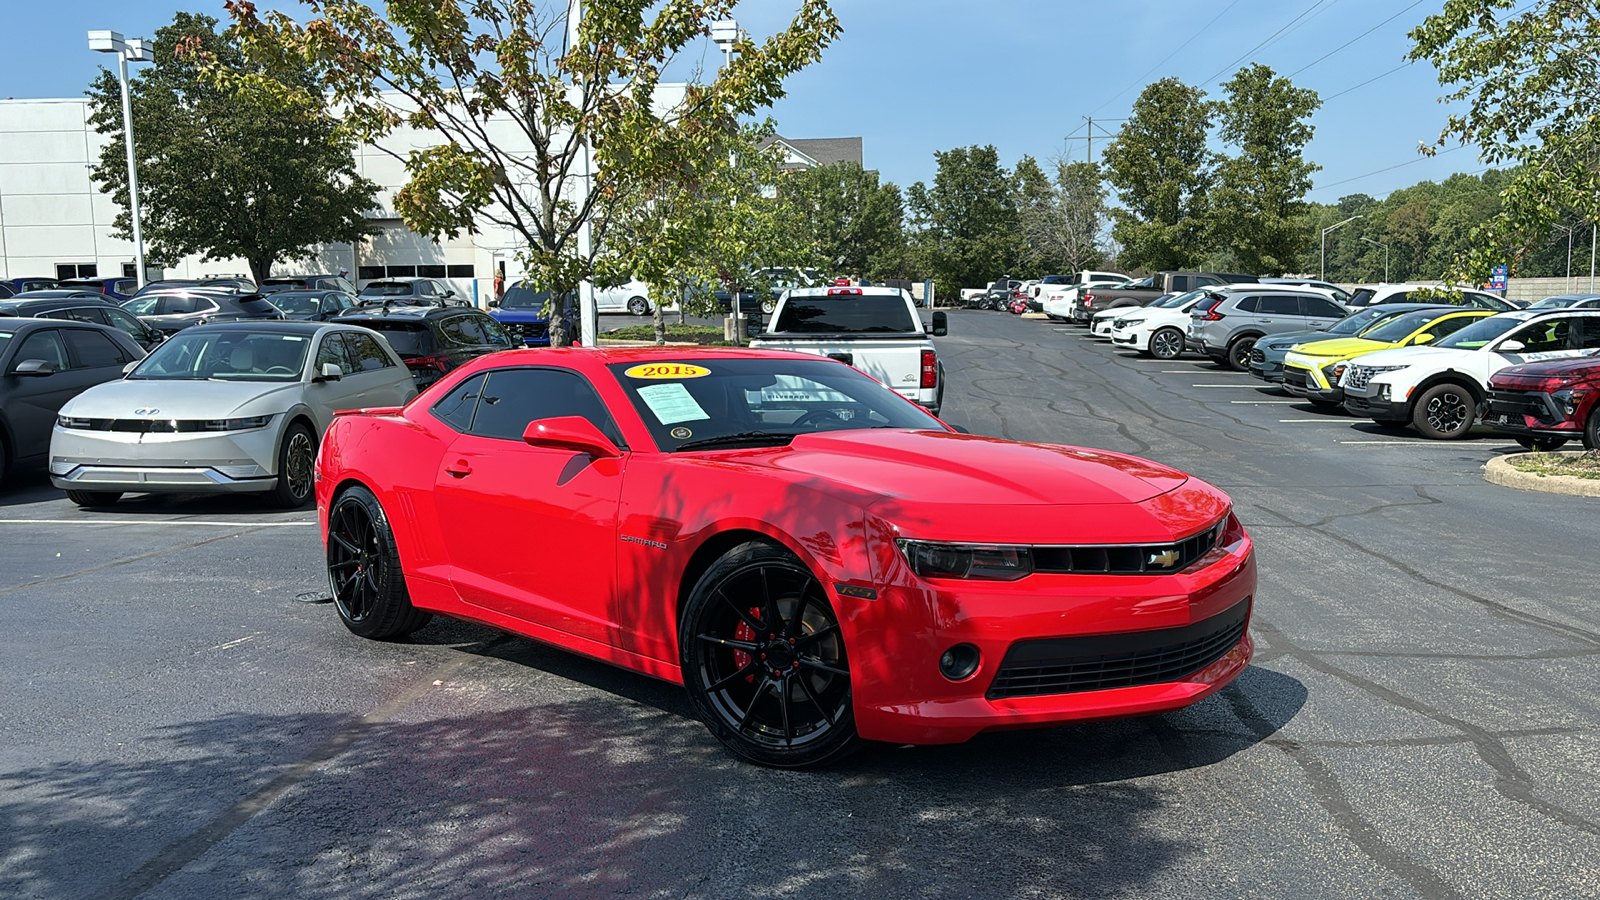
1162, 170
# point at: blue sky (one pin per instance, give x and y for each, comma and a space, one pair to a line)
914, 76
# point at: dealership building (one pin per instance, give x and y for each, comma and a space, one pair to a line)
56, 222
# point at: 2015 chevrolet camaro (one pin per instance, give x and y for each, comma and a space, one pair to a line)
817, 560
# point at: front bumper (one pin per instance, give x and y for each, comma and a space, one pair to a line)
1530, 412
1369, 404
222, 462
1302, 383
1081, 620
1101, 328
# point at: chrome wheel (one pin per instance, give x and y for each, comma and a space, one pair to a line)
1447, 413
1166, 344
638, 306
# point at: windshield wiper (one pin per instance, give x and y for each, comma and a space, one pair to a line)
740, 437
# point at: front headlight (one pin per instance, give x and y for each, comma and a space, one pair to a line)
74, 422
1129, 323
240, 424
1568, 400
985, 562
1333, 372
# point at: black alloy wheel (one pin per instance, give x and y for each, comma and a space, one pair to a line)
1541, 444
1444, 412
764, 661
1591, 430
369, 588
638, 305
297, 456
1239, 353
1166, 343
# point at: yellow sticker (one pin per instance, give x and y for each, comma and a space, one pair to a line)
667, 370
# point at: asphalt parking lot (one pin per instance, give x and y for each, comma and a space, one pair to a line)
1423, 717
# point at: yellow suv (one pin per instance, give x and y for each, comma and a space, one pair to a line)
1313, 370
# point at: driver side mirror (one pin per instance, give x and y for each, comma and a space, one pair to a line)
573, 433
495, 303
34, 368
1423, 339
1512, 347
941, 324
449, 293
330, 372
128, 369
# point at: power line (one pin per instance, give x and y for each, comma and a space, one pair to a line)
1356, 38
1269, 37
1164, 59
1411, 162
1404, 65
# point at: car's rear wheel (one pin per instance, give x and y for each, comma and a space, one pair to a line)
767, 306
638, 305
1239, 353
92, 499
764, 661
369, 587
297, 456
1166, 343
1541, 444
1591, 430
1444, 412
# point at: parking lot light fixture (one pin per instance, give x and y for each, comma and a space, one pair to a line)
1323, 274
129, 50
1385, 256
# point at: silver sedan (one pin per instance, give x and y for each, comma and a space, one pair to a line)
223, 409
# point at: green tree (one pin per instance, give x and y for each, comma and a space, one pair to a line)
1162, 170
1257, 213
1530, 89
512, 112
222, 173
966, 222
848, 222
1065, 230
1032, 196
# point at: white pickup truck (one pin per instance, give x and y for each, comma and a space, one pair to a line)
875, 329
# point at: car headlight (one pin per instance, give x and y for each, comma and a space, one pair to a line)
984, 562
240, 424
74, 422
1129, 323
1568, 400
1333, 372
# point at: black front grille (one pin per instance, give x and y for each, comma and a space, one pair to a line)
1127, 559
1299, 376
1516, 404
529, 331
1258, 356
1102, 661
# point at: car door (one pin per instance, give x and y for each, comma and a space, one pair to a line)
534, 531
142, 334
1320, 313
326, 396
1279, 312
34, 400
1552, 338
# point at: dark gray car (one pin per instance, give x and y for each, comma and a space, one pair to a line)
1227, 329
43, 364
81, 306
173, 311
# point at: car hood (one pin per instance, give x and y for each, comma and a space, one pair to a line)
1412, 356
1342, 348
1572, 367
182, 399
1284, 341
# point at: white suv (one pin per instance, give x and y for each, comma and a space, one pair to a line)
1439, 388
1401, 293
1155, 330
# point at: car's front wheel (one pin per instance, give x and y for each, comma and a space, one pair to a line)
91, 499
1541, 444
1591, 430
1166, 343
297, 456
638, 306
1444, 412
764, 661
369, 587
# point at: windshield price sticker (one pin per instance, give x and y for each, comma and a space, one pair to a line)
653, 371
671, 404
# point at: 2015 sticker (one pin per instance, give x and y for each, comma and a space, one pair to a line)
667, 370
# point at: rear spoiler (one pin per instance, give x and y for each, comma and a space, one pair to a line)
370, 411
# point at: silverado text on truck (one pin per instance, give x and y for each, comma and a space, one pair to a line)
875, 329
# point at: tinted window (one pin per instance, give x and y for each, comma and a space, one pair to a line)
1181, 283
514, 397
520, 297
1400, 327
496, 332
1204, 280
387, 289
407, 338
333, 351
257, 306
94, 349
1205, 304
1587, 333
458, 406
365, 354
81, 314
1279, 305
121, 321
1247, 304
466, 331
1317, 306
172, 306
125, 287
1450, 326
846, 314
1545, 337
45, 345
295, 303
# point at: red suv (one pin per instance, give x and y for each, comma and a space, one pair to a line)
1545, 404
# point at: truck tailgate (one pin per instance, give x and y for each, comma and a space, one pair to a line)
895, 363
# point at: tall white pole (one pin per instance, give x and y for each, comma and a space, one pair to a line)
1591, 258
588, 316
133, 169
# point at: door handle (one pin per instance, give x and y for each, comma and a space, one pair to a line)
459, 468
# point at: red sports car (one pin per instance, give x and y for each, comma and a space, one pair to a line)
817, 560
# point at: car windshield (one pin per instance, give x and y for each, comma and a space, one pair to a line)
1476, 335
256, 306
1557, 302
1177, 300
1364, 320
716, 403
1400, 327
226, 355
295, 304
387, 289
521, 297
846, 314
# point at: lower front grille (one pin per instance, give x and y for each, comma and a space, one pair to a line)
1102, 661
1258, 356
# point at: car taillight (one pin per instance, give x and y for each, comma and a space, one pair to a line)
1211, 316
930, 369
437, 363
1088, 299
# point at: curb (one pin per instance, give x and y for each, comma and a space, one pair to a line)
1034, 315
1499, 471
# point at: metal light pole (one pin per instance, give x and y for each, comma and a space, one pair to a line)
726, 34
1322, 275
588, 315
1385, 256
131, 50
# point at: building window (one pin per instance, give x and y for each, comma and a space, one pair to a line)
66, 271
402, 272
466, 271
375, 273
129, 270
431, 271
369, 273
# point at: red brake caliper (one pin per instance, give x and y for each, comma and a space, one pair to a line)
745, 633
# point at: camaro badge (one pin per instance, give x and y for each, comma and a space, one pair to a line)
850, 590
1164, 558
648, 543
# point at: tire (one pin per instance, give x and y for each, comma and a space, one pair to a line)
1166, 343
638, 306
91, 499
1239, 353
1591, 430
296, 458
1320, 403
1444, 412
369, 587
1541, 444
767, 306
746, 614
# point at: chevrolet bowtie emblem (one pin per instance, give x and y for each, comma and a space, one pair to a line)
1164, 558
146, 411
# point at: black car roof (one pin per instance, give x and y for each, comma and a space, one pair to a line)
290, 326
14, 307
78, 298
19, 324
405, 312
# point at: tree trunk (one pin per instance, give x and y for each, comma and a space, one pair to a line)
660, 321
683, 303
558, 322
261, 268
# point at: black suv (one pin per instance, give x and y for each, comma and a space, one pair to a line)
172, 311
80, 306
433, 340
322, 282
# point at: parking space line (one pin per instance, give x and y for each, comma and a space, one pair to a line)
1323, 421
204, 522
1253, 387
1441, 444
1265, 402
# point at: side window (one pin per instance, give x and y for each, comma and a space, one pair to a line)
126, 287
497, 333
1586, 333
515, 397
1279, 305
333, 351
123, 322
424, 289
94, 349
173, 306
365, 353
1201, 281
458, 407
81, 314
1545, 337
1450, 326
1321, 308
1247, 304
1180, 284
332, 303
45, 345
464, 331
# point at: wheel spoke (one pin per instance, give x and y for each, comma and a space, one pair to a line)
744, 616
821, 666
783, 706
755, 698
769, 608
344, 544
799, 612
807, 640
344, 565
743, 672
811, 694
746, 646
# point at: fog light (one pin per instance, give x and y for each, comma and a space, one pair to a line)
959, 662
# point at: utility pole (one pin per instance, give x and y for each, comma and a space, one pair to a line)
588, 316
1089, 133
